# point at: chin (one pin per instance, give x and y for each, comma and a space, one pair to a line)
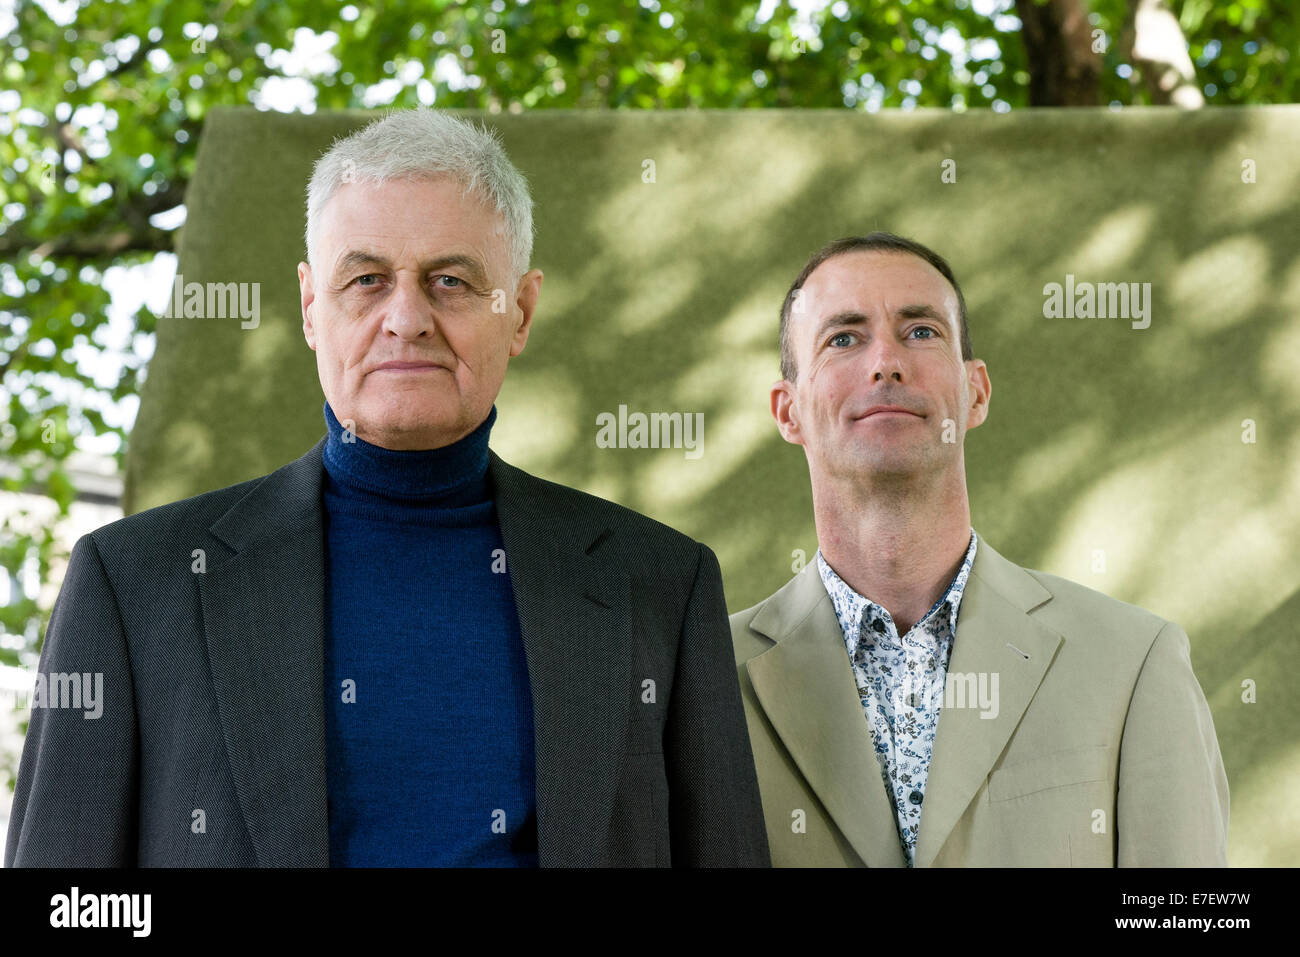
411, 407
880, 462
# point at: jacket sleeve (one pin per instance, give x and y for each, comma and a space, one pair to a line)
715, 814
1172, 807
75, 803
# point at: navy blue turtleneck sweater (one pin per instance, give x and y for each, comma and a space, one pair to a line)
428, 712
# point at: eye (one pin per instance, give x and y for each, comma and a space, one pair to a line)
369, 275
456, 280
930, 329
841, 335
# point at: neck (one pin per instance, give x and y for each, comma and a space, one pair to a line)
451, 476
898, 544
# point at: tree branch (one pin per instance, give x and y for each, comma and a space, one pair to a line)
91, 246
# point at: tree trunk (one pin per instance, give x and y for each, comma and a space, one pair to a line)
1156, 46
1064, 69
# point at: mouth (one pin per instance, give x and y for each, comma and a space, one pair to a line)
887, 411
407, 367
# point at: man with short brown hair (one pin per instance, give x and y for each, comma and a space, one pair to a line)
914, 698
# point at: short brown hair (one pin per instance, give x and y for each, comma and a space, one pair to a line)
867, 243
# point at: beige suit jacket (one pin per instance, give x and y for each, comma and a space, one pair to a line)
1100, 751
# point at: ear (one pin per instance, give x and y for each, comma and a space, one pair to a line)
981, 389
782, 400
527, 293
307, 296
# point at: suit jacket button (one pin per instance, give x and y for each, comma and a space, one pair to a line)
915, 797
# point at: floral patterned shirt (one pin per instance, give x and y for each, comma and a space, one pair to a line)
901, 683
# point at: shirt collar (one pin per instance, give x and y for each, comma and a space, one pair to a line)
453, 475
850, 607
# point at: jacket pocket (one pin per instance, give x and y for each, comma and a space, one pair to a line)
1055, 769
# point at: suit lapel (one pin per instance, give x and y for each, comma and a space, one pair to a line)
805, 685
993, 630
263, 616
575, 622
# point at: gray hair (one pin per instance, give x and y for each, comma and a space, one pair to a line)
425, 143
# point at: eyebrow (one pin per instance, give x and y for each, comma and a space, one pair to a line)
356, 258
853, 318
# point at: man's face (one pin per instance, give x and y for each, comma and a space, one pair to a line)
879, 328
409, 272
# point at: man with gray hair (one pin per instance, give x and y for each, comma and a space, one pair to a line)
402, 651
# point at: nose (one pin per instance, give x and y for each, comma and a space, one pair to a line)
884, 362
408, 313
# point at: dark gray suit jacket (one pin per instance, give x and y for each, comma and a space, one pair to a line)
214, 687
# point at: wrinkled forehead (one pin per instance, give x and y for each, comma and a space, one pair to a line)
425, 210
